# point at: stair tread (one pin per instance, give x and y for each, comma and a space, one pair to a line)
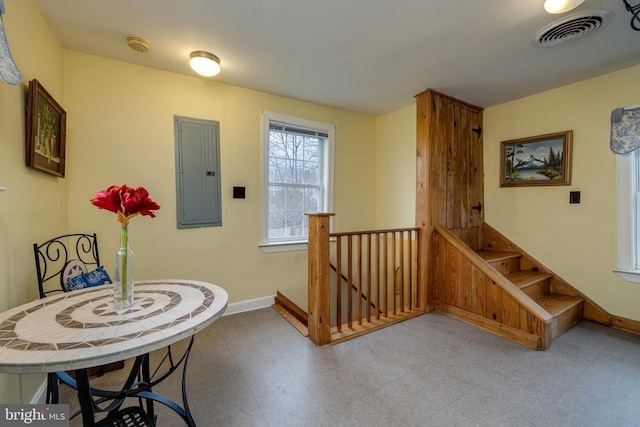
556, 304
491, 256
524, 278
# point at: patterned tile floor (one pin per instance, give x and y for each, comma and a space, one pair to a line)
254, 369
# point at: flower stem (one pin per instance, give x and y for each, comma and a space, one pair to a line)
124, 244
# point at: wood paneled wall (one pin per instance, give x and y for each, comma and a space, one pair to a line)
450, 179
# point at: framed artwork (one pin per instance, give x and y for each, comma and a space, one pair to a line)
536, 160
46, 131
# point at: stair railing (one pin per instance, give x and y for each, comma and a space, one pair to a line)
376, 281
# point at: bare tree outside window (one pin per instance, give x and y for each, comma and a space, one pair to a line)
295, 182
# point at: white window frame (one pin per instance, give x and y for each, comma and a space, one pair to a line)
628, 170
327, 174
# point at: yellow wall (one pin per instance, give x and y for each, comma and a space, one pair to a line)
396, 168
121, 125
120, 130
577, 241
35, 206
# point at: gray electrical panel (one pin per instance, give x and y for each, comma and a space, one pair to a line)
197, 144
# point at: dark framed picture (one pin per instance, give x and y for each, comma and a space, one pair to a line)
46, 131
536, 160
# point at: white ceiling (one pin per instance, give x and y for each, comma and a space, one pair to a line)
367, 56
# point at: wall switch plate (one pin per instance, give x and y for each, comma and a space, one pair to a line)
574, 197
238, 192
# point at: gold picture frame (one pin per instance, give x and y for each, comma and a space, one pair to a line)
46, 131
541, 160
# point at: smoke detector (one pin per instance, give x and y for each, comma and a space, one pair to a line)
138, 44
572, 27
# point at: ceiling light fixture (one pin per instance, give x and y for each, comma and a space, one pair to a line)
561, 6
635, 11
204, 63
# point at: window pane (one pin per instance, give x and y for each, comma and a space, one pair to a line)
312, 161
295, 224
312, 200
311, 173
295, 199
277, 170
277, 199
276, 224
311, 149
276, 145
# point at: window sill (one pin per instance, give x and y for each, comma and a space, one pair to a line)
269, 248
301, 245
629, 275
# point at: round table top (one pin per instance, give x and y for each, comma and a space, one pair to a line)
80, 329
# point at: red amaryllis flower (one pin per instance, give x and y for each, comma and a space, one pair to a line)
126, 202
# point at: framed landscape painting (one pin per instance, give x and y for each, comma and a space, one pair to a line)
536, 160
46, 131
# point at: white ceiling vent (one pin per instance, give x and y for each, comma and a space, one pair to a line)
571, 27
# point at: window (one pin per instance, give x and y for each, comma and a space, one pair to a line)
628, 170
297, 178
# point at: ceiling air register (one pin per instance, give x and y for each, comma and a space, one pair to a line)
572, 27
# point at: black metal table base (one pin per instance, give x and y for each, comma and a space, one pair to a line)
139, 385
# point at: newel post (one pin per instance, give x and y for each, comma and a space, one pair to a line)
318, 303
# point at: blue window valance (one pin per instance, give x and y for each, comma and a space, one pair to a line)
8, 70
625, 129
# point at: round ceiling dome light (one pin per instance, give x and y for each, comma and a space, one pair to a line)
561, 6
138, 44
204, 63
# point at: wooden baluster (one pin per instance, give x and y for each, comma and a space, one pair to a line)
385, 274
359, 249
339, 285
395, 276
319, 281
349, 282
402, 268
369, 299
420, 292
377, 269
411, 291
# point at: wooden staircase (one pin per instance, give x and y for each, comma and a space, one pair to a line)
565, 310
500, 288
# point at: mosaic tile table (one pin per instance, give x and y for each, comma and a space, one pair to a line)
78, 330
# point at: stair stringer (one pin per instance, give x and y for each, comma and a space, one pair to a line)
494, 240
468, 288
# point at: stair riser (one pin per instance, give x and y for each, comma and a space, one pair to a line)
567, 320
537, 289
506, 266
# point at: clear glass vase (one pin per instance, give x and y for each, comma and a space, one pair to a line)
123, 273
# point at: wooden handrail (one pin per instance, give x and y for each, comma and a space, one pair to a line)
495, 276
390, 230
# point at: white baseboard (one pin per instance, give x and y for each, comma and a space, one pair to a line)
249, 305
234, 308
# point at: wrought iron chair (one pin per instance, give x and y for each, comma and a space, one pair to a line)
58, 260
64, 257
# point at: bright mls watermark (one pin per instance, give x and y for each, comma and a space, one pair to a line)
34, 415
